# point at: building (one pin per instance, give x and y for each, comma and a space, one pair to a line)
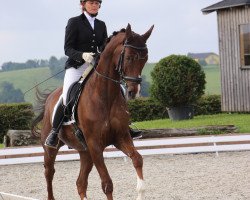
233, 17
210, 58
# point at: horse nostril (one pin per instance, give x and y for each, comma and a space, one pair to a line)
131, 95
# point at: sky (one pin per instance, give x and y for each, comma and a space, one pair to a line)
31, 29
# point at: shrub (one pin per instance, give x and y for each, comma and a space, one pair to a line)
208, 105
15, 116
177, 81
143, 109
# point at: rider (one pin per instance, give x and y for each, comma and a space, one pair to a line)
84, 34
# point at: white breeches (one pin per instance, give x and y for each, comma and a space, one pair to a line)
71, 75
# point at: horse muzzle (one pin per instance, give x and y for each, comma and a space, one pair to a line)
133, 91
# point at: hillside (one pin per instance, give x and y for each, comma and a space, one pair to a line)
28, 78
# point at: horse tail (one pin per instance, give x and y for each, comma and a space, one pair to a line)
39, 109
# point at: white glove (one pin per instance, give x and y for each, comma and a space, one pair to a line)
88, 57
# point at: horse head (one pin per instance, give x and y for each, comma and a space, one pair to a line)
131, 58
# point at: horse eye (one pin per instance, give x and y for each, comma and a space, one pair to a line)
129, 58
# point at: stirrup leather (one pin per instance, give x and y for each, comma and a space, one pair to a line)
80, 137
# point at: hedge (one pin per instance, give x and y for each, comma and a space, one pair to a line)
15, 116
143, 109
208, 105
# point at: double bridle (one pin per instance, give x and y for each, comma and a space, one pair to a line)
120, 66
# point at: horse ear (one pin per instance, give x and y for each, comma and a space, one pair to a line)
147, 34
128, 31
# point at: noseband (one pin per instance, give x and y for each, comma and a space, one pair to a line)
120, 65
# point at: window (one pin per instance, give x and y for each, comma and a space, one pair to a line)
245, 45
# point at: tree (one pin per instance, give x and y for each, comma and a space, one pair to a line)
9, 94
43, 63
9, 66
56, 66
31, 64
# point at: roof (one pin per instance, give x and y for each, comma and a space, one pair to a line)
200, 55
224, 5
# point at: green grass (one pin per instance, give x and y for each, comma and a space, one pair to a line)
241, 121
1, 146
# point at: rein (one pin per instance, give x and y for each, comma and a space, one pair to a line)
120, 65
102, 75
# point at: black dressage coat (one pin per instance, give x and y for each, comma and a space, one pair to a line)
80, 37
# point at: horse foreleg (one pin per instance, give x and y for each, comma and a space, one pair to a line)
97, 157
49, 161
127, 147
86, 167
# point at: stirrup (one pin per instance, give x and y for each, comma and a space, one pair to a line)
135, 133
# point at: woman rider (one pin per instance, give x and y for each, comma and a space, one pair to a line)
84, 35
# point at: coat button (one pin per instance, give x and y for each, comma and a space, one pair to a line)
92, 47
93, 34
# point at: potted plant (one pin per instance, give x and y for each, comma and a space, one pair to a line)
178, 82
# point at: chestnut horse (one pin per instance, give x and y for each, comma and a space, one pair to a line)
103, 115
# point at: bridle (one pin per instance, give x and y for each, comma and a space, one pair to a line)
120, 65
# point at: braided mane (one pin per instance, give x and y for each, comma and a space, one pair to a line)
111, 36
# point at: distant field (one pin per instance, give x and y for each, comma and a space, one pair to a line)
213, 85
27, 78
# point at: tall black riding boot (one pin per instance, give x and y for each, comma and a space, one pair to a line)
135, 134
52, 139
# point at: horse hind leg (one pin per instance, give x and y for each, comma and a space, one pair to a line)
127, 147
49, 162
86, 167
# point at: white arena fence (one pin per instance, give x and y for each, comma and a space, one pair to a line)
180, 145
6, 196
